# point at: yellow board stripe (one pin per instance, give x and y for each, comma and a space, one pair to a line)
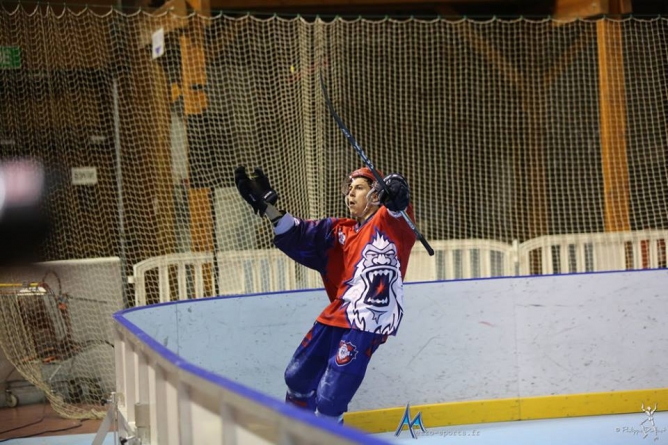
22, 285
502, 410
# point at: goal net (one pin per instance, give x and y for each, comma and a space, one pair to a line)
57, 332
531, 146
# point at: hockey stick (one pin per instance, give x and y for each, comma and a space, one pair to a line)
369, 164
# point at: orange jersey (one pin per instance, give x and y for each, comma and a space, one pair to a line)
362, 266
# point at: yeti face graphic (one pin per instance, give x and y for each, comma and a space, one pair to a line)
374, 296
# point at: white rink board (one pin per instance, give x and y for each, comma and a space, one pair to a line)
460, 340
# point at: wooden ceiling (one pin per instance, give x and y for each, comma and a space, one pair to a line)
433, 8
420, 8
381, 8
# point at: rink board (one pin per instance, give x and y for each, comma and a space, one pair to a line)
513, 344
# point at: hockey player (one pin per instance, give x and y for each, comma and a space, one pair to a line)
362, 261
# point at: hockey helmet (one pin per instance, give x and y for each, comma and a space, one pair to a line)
364, 172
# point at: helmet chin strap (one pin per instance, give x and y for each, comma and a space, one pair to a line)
373, 202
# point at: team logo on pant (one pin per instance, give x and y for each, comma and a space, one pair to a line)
347, 353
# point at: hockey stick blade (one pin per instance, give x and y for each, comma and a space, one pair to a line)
369, 164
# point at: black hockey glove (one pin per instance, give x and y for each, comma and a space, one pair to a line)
398, 198
255, 191
268, 194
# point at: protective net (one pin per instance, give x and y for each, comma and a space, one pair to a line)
531, 147
57, 332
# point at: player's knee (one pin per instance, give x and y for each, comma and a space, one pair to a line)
296, 381
292, 381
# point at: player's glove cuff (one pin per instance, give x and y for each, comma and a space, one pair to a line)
284, 223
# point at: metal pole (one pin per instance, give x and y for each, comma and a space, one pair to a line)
119, 189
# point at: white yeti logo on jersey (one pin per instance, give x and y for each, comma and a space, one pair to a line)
376, 289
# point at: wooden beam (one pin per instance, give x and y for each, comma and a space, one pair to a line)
163, 188
177, 7
574, 9
203, 7
469, 32
193, 88
280, 4
167, 23
566, 59
201, 219
201, 229
612, 105
193, 70
146, 162
620, 7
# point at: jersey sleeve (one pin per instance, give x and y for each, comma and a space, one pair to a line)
308, 242
396, 220
400, 231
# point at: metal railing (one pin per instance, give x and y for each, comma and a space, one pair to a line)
190, 275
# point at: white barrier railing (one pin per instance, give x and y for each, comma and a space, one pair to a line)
239, 272
457, 259
184, 263
593, 252
167, 400
254, 271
